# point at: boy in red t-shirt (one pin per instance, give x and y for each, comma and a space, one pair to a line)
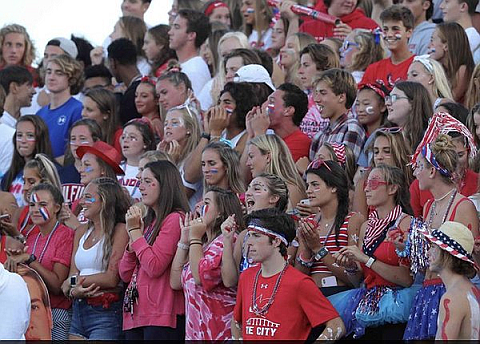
397, 26
275, 301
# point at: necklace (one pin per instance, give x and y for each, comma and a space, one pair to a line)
40, 258
264, 310
444, 196
434, 206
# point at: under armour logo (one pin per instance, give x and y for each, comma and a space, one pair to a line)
61, 120
263, 286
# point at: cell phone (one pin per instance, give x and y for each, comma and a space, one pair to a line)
73, 280
330, 281
305, 201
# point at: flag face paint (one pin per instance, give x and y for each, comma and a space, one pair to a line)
213, 170
44, 212
204, 210
250, 10
88, 169
270, 109
34, 198
229, 110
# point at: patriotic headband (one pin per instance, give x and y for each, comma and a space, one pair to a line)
430, 157
214, 5
425, 61
340, 153
375, 88
267, 232
450, 245
443, 123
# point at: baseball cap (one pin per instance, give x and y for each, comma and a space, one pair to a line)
67, 45
253, 73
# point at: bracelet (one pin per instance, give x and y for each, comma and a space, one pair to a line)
195, 240
370, 262
206, 136
303, 262
21, 238
351, 271
195, 243
133, 229
182, 246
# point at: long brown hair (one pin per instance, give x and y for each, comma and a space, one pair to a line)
172, 198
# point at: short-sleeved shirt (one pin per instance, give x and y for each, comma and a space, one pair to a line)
59, 250
208, 306
384, 72
298, 306
298, 144
59, 121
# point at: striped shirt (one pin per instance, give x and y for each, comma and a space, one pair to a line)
331, 245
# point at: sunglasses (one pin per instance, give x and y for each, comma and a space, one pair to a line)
374, 184
317, 163
348, 45
393, 98
392, 130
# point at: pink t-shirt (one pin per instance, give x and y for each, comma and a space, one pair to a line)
209, 306
59, 250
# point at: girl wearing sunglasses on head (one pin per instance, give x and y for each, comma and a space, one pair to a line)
389, 148
332, 228
385, 300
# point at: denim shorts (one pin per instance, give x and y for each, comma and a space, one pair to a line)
96, 322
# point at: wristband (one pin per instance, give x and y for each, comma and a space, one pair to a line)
182, 246
30, 260
133, 229
206, 136
195, 243
370, 262
321, 254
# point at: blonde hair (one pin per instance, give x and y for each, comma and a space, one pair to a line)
29, 54
219, 79
302, 40
263, 13
369, 51
73, 69
445, 154
473, 92
192, 126
441, 86
281, 163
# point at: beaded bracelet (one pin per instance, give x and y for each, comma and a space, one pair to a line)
303, 262
406, 251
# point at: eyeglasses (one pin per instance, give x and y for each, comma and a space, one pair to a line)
317, 163
393, 98
374, 184
391, 130
348, 45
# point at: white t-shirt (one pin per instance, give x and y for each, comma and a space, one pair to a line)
15, 301
205, 96
266, 38
130, 181
6, 147
197, 71
473, 40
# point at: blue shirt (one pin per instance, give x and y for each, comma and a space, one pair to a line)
59, 122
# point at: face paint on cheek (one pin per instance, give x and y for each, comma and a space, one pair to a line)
44, 212
34, 198
204, 210
398, 36
250, 10
369, 110
88, 169
213, 170
90, 200
229, 110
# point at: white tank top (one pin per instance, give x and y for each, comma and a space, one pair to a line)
89, 262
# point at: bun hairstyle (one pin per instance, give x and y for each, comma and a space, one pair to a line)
175, 75
445, 154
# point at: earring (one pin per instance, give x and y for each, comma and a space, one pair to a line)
188, 133
144, 147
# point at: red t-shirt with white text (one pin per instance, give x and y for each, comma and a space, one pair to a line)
297, 308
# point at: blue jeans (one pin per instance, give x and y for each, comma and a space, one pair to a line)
96, 322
